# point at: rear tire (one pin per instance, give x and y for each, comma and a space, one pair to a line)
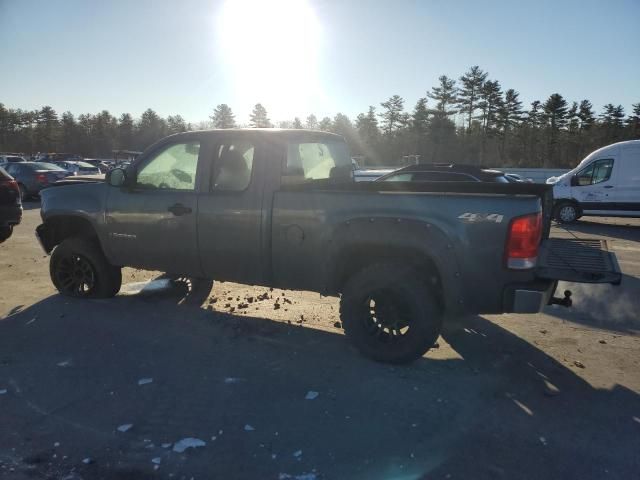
389, 313
78, 268
566, 212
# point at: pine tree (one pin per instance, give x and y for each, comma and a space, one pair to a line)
68, 132
176, 124
46, 129
445, 96
325, 124
259, 118
150, 129
367, 125
633, 122
297, 123
392, 115
125, 132
469, 92
586, 115
509, 116
555, 115
420, 126
311, 122
223, 117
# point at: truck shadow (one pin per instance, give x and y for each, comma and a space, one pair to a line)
484, 411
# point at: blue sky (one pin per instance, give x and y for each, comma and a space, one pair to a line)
307, 56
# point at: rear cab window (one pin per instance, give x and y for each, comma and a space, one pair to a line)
310, 161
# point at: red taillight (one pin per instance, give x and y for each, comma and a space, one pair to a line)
42, 178
523, 241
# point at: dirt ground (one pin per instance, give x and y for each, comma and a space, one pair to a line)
108, 388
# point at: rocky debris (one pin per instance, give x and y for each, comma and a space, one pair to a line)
276, 306
603, 342
125, 427
88, 461
156, 460
579, 364
297, 453
311, 395
543, 331
248, 428
242, 306
337, 324
145, 381
286, 300
186, 443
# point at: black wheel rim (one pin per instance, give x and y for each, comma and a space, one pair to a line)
386, 316
75, 275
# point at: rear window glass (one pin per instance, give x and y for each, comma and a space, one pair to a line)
310, 161
45, 166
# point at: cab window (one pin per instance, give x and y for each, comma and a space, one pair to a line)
232, 167
598, 172
173, 168
311, 161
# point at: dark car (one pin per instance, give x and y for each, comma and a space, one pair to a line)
444, 172
10, 205
34, 176
78, 168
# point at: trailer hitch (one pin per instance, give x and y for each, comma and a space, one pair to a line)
565, 302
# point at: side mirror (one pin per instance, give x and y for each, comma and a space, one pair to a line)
117, 177
574, 181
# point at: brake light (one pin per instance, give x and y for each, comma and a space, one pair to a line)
525, 233
42, 178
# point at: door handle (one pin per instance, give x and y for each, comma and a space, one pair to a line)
179, 209
608, 186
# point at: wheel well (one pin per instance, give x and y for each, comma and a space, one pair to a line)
61, 228
355, 259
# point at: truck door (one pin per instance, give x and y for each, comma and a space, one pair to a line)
593, 185
152, 223
230, 214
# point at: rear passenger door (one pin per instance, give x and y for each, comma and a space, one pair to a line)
627, 188
231, 212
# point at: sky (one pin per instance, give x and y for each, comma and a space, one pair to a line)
307, 56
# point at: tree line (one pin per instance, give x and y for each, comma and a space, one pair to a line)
472, 119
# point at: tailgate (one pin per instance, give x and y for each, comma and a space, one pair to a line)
578, 260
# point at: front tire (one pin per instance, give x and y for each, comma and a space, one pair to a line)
566, 212
78, 268
390, 314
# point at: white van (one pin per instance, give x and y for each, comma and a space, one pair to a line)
605, 183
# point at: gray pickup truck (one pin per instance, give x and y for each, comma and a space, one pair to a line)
280, 208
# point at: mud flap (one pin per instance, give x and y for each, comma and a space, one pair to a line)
578, 260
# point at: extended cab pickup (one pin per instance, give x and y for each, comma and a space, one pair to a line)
280, 208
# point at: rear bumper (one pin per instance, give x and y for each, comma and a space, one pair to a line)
528, 298
10, 215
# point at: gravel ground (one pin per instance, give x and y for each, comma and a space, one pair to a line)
109, 388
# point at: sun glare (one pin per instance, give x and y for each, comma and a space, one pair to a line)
271, 50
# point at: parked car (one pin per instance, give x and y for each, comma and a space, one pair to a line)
370, 174
280, 208
605, 183
4, 159
515, 178
444, 172
103, 165
10, 205
79, 168
34, 176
